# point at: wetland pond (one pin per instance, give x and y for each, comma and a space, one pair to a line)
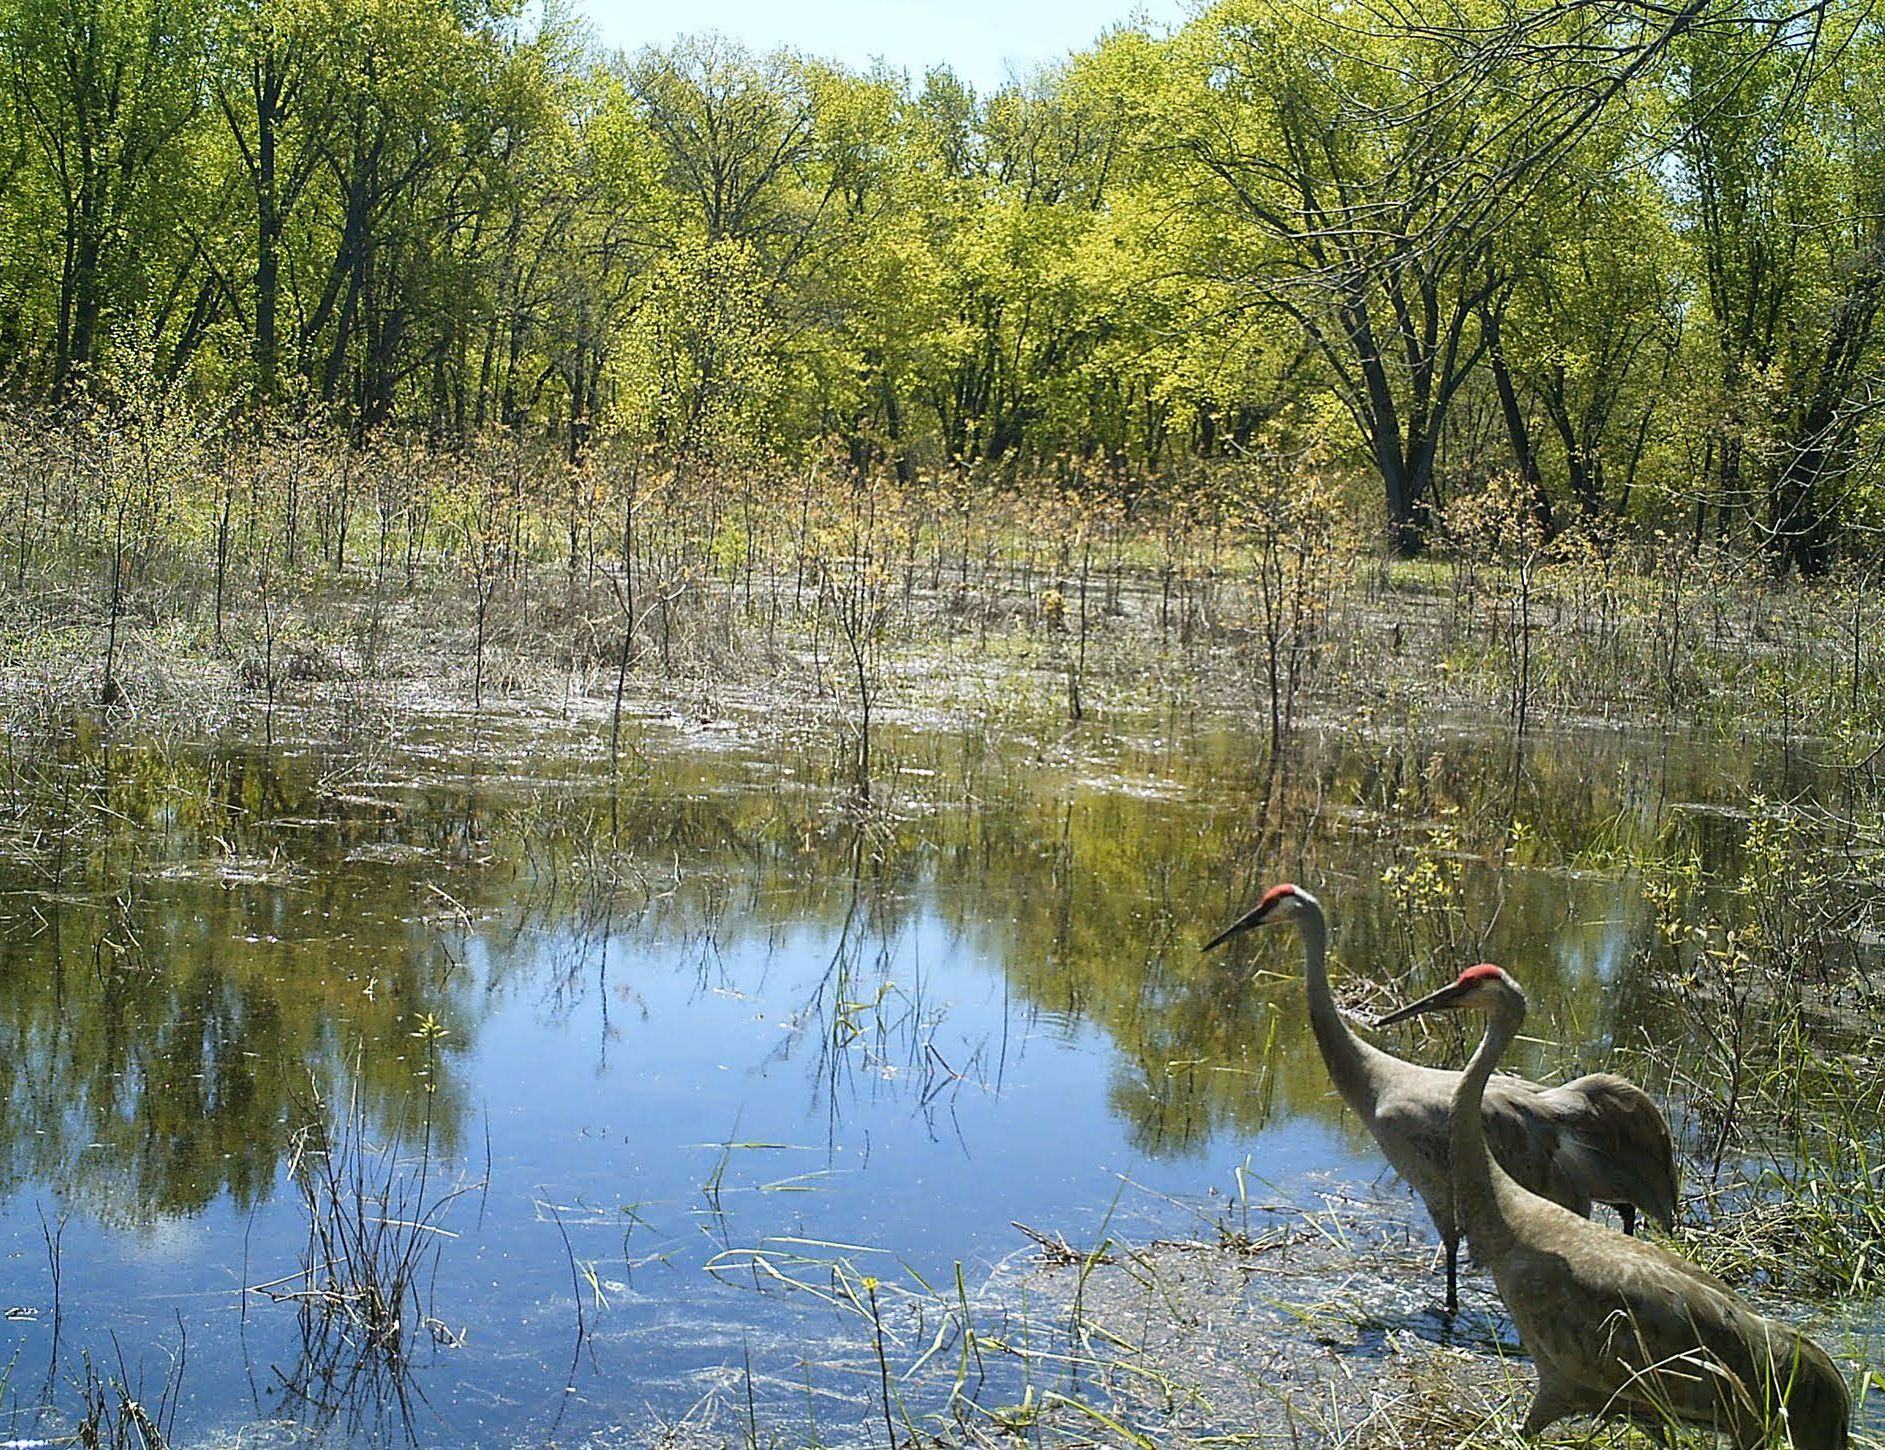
706, 1098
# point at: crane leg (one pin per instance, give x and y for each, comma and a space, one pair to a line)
1452, 1276
1547, 1408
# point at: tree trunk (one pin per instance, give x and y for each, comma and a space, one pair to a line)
1518, 430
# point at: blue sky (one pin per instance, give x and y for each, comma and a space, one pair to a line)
980, 39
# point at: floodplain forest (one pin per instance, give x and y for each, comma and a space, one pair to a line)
1628, 255
484, 519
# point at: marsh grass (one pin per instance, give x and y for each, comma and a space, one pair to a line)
1271, 1327
1798, 1204
306, 584
1770, 965
258, 573
364, 1292
117, 1413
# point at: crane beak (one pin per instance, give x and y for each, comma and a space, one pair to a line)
1449, 998
1256, 916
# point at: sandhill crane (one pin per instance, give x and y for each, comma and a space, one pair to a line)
1617, 1326
1598, 1137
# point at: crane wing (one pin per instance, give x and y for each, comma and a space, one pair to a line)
1599, 1138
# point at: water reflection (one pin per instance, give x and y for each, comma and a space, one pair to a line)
251, 925
708, 1017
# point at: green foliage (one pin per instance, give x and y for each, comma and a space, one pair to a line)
1637, 268
1759, 957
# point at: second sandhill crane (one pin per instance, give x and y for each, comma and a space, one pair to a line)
1614, 1325
1599, 1138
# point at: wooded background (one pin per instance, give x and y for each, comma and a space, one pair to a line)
1627, 256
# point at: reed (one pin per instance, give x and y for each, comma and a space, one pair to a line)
363, 1292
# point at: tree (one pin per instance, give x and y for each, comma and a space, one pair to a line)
863, 304
107, 91
273, 83
1781, 203
414, 118
1835, 367
1582, 339
709, 353
1338, 164
732, 131
1026, 317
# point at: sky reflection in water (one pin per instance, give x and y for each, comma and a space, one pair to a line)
773, 1045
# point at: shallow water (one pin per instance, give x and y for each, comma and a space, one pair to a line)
698, 1054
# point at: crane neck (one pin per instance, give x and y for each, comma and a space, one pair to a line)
1479, 1183
1343, 1052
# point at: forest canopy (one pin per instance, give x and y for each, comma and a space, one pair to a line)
1625, 259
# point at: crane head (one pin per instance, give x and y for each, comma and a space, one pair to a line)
1279, 903
1481, 988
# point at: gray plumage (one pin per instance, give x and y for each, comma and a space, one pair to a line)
1616, 1326
1598, 1138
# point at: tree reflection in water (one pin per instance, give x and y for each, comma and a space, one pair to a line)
200, 938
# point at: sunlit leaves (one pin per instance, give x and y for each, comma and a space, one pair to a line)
703, 369
1617, 249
